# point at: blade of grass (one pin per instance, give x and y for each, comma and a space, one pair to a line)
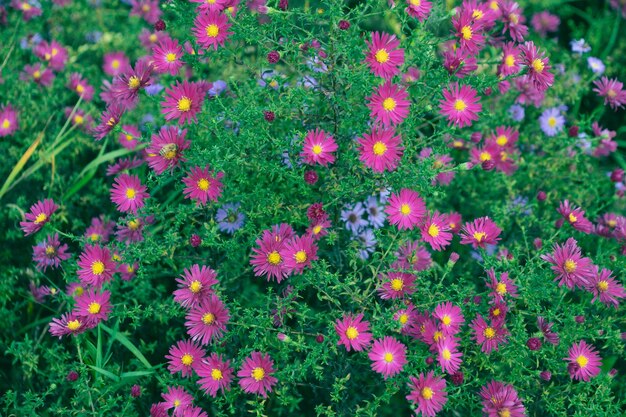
106, 373
128, 344
22, 161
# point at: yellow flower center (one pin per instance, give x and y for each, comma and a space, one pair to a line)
131, 193
489, 333
212, 31
171, 57
416, 2
382, 56
133, 224
78, 119
50, 250
153, 37
502, 140
446, 320
115, 64
494, 5
216, 374
388, 357
208, 318
37, 74
479, 236
258, 374
389, 104
552, 121
26, 7
446, 354
187, 359
477, 14
433, 230
496, 312
459, 105
73, 325
134, 82
379, 148
317, 149
111, 121
569, 266
504, 413
514, 18
184, 104
427, 393
300, 257
176, 403
80, 89
94, 308
485, 156
572, 218
538, 65
405, 209
41, 217
509, 61
352, 333
397, 284
611, 223
97, 267
466, 32
582, 361
203, 184
611, 93
603, 286
195, 286
274, 258
403, 319
317, 229
501, 288
438, 335
6, 124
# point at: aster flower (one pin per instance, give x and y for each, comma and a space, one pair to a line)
206, 321
381, 150
128, 193
388, 104
488, 336
318, 148
230, 218
505, 137
211, 29
459, 62
450, 318
267, 259
575, 216
396, 285
544, 22
148, 10
353, 217
605, 287
406, 209
123, 165
28, 9
388, 356
375, 213
203, 185
428, 392
436, 232
501, 287
256, 374
129, 136
511, 60
552, 121
460, 105
406, 318
166, 149
128, 271
513, 18
166, 57
612, 91
353, 332
480, 232
95, 266
212, 5
38, 215
501, 400
183, 102
194, 285
80, 86
93, 307
546, 330
411, 75
420, 9
37, 74
109, 119
185, 357
596, 65
468, 31
8, 121
538, 66
570, 267
132, 230
367, 243
126, 86
298, 253
50, 253
318, 228
412, 256
176, 398
115, 63
448, 355
53, 53
584, 361
215, 374
69, 323
384, 57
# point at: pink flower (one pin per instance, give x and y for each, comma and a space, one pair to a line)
93, 307
211, 29
183, 102
256, 374
8, 121
488, 336
203, 185
419, 9
612, 91
428, 392
115, 63
448, 355
381, 150
267, 259
166, 149
178, 399
389, 105
215, 374
211, 5
450, 318
538, 66
501, 400
544, 22
318, 148
298, 253
468, 31
69, 323
38, 215
166, 57
185, 356
206, 321
436, 231
194, 286
546, 329
568, 264
52, 53
584, 361
383, 58
28, 10
605, 287
50, 253
388, 356
406, 209
575, 216
353, 332
80, 86
412, 256
460, 104
501, 287
128, 137
126, 86
511, 60
480, 232
95, 266
513, 19
396, 285
128, 193
108, 120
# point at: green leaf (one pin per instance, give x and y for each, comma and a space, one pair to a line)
106, 373
128, 344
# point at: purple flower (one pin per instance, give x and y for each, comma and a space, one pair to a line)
551, 121
517, 112
229, 218
580, 46
596, 65
50, 253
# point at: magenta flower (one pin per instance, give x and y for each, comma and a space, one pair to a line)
612, 91
38, 215
256, 374
129, 136
383, 57
448, 355
605, 287
166, 149
69, 323
128, 193
166, 57
267, 260
212, 5
546, 329
412, 256
389, 105
501, 400
584, 361
8, 121
93, 307
511, 60
183, 102
318, 148
211, 29
488, 336
538, 66
126, 86
396, 285
468, 31
428, 392
449, 317
570, 267
52, 53
353, 332
460, 105
115, 63
406, 209
215, 374
575, 216
298, 253
420, 9
38, 74
388, 356
185, 357
28, 10
80, 86
203, 185
148, 10
501, 287
381, 150
195, 285
206, 322
50, 253
108, 120
178, 399
480, 232
436, 231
